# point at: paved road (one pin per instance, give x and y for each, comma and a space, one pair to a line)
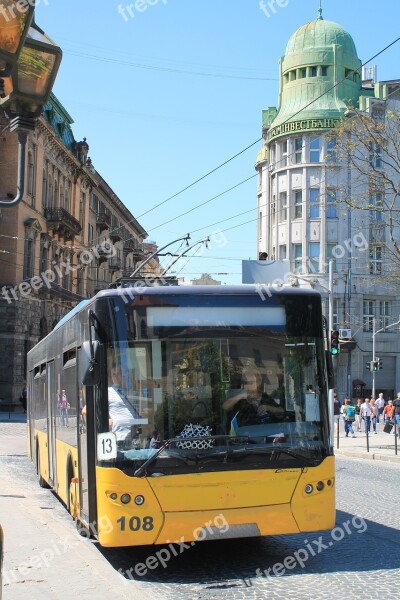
360, 558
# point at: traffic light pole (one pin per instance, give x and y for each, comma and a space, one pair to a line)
373, 356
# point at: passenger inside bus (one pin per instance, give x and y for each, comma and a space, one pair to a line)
249, 405
122, 414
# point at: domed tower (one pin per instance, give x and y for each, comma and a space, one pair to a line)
320, 78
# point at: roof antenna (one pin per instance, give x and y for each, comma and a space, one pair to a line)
320, 17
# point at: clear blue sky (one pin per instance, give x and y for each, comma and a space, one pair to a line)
154, 124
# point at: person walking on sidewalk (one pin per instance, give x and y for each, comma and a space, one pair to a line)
366, 415
349, 413
396, 405
380, 405
358, 414
374, 414
388, 412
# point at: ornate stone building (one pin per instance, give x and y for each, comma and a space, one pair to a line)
302, 216
69, 237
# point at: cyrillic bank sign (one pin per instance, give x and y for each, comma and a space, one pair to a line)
304, 125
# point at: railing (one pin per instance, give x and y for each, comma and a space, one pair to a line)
61, 221
115, 264
103, 221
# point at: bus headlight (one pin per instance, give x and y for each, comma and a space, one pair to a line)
139, 500
125, 498
320, 486
309, 489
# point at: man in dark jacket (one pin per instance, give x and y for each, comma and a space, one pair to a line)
396, 404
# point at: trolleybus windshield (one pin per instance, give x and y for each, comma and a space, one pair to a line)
239, 385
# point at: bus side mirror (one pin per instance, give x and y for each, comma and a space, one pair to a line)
90, 363
329, 370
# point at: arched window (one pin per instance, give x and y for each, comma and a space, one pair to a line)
31, 173
44, 189
55, 203
50, 197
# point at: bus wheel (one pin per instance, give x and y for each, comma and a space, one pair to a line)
42, 482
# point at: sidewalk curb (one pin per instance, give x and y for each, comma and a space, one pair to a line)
368, 455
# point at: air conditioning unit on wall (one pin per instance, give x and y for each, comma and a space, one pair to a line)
345, 334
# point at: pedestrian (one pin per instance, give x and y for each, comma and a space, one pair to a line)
23, 398
374, 414
336, 410
396, 405
365, 411
380, 404
349, 413
388, 411
358, 414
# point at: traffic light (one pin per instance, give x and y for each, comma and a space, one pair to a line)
374, 365
380, 364
368, 365
335, 345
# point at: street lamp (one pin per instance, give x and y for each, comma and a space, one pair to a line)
374, 347
26, 89
14, 26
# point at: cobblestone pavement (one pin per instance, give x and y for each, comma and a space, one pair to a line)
360, 558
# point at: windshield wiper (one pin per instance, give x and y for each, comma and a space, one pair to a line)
310, 461
142, 469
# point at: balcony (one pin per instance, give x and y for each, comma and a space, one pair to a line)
103, 221
130, 248
115, 236
62, 222
102, 254
115, 264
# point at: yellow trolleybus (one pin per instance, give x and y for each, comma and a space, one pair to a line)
153, 411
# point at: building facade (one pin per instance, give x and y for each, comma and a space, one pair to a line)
69, 237
305, 213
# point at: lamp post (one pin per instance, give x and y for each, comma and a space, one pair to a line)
374, 348
26, 83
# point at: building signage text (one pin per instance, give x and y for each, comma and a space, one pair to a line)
303, 125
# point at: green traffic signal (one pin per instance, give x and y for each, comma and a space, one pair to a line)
335, 345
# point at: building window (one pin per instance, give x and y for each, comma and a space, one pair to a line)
336, 310
375, 156
44, 257
282, 207
315, 149
293, 75
331, 254
298, 150
385, 313
303, 73
273, 208
282, 252
260, 225
50, 197
331, 150
324, 71
298, 260
62, 197
375, 260
284, 154
313, 71
314, 248
331, 206
44, 189
29, 258
368, 315
55, 203
314, 203
298, 204
376, 207
31, 173
90, 234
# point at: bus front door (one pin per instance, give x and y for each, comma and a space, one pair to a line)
51, 422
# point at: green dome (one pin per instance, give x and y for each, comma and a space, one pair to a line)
319, 34
320, 77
